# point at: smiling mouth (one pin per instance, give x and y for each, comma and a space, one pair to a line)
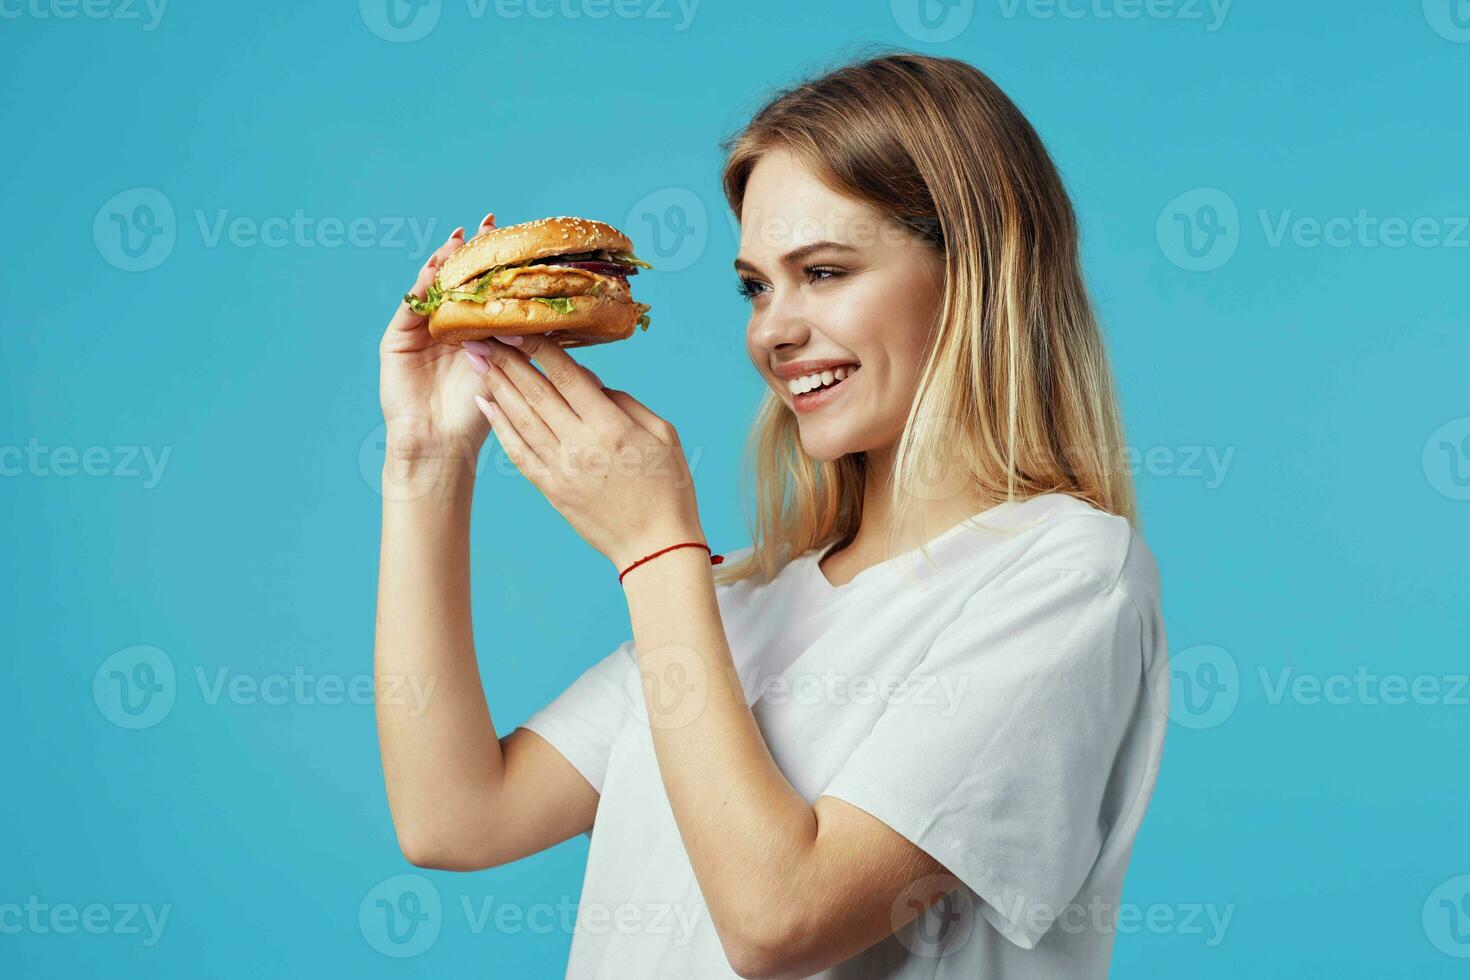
814, 398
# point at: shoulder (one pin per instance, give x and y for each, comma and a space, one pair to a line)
1061, 533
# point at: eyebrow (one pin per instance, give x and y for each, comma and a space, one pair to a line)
797, 254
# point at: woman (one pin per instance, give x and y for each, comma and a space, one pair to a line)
823, 755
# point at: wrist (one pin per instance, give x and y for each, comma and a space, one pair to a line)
629, 561
417, 467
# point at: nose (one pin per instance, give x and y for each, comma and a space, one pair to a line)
779, 326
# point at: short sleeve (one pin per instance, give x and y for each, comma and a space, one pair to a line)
583, 720
995, 755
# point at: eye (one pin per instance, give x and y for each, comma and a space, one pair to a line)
813, 270
748, 288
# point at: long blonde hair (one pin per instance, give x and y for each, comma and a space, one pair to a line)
1017, 370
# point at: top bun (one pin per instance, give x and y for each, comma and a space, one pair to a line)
527, 241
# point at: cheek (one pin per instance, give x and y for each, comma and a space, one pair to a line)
879, 321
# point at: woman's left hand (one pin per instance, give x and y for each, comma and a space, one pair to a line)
611, 467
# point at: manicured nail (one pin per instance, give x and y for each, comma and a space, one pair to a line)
487, 407
477, 362
458, 232
515, 340
488, 219
478, 346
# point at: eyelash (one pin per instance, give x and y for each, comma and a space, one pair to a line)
746, 287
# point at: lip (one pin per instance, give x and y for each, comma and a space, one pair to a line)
789, 372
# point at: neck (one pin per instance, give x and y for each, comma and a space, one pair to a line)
927, 519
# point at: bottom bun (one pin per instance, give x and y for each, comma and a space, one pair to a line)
593, 320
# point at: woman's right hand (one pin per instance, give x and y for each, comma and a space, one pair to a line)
427, 388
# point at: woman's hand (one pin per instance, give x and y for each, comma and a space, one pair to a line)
427, 388
611, 467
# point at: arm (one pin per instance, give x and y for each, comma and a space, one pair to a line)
461, 797
792, 888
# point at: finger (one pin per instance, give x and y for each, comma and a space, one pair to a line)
523, 415
543, 394
640, 413
404, 318
523, 456
577, 385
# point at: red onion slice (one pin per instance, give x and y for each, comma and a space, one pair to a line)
599, 268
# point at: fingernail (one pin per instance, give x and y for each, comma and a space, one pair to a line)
487, 219
486, 407
515, 340
478, 346
458, 232
477, 362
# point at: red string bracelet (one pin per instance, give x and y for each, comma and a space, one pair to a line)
713, 558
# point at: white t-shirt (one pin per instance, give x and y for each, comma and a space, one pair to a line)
1003, 709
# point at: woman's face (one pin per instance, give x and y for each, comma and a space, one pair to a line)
832, 281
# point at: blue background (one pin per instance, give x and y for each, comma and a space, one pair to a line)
1331, 546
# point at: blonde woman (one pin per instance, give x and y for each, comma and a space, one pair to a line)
912, 729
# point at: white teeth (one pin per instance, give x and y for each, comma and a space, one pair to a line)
808, 382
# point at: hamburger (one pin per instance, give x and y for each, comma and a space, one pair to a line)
563, 277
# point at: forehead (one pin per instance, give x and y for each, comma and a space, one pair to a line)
786, 206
